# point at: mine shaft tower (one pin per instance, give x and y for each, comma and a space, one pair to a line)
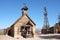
46, 22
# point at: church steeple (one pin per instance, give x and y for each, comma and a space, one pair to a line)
24, 9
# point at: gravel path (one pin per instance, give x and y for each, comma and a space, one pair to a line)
37, 37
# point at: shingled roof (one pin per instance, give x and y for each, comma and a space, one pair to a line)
21, 18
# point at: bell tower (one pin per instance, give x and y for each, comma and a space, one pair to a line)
24, 9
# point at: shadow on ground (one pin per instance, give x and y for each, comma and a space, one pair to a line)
50, 37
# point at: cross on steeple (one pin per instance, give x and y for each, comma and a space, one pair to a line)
24, 2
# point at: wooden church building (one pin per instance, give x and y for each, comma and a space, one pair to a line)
23, 26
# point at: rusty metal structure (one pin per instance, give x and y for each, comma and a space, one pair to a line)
46, 22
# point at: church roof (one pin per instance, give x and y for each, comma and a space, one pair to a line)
21, 18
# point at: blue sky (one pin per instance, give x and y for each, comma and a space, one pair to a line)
10, 11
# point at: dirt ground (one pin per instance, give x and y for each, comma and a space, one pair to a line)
37, 37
